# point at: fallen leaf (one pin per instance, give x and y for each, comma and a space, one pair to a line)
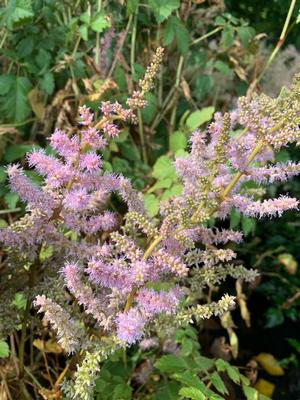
270, 364
265, 387
289, 262
37, 104
241, 299
228, 324
49, 346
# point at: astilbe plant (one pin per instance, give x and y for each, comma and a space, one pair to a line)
128, 278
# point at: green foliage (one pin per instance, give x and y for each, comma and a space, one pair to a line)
4, 349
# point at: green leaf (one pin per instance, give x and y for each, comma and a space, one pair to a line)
85, 18
171, 364
203, 86
100, 22
130, 151
122, 392
274, 317
248, 225
2, 174
84, 32
19, 301
43, 58
163, 8
11, 199
231, 371
295, 344
15, 151
204, 363
178, 141
6, 83
218, 383
199, 117
164, 168
235, 218
132, 6
4, 349
16, 105
163, 184
19, 12
120, 165
245, 33
151, 204
47, 82
189, 379
227, 37
149, 112
250, 393
192, 393
173, 191
175, 28
222, 67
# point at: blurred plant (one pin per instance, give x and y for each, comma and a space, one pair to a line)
170, 368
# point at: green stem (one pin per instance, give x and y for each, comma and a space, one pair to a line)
200, 39
278, 45
176, 86
238, 175
114, 63
142, 136
31, 283
8, 211
97, 56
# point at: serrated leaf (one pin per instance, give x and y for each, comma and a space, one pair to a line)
15, 151
204, 363
250, 393
132, 6
6, 82
171, 364
164, 168
43, 59
178, 141
47, 82
3, 174
248, 225
4, 349
100, 22
192, 393
231, 371
19, 301
218, 383
151, 204
19, 12
163, 184
199, 117
11, 199
175, 28
187, 378
223, 67
227, 37
149, 112
83, 30
16, 105
235, 218
163, 8
245, 33
122, 392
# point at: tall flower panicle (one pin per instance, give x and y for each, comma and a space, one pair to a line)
112, 270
